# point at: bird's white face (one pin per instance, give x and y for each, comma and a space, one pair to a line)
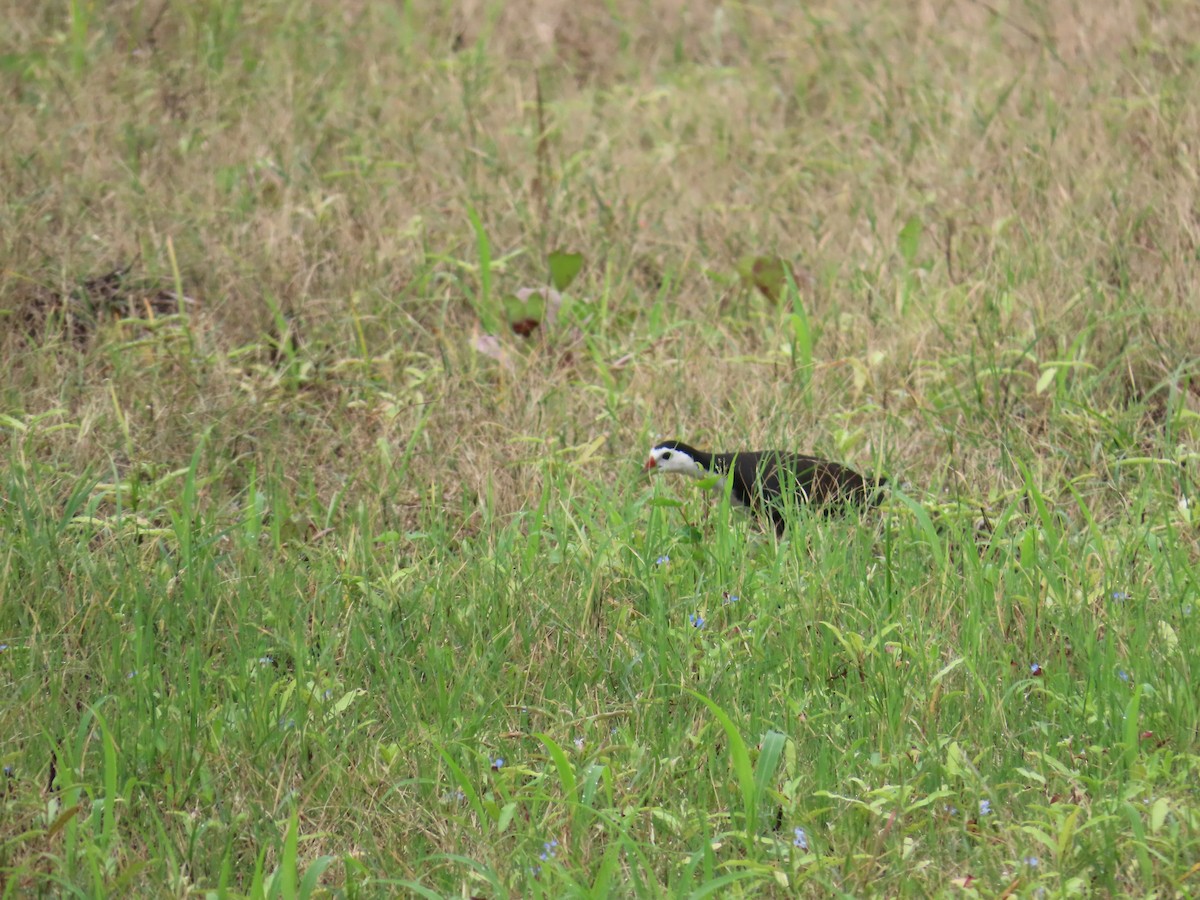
666, 459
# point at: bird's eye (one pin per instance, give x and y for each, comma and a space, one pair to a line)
666, 455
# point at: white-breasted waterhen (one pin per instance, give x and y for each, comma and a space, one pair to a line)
769, 481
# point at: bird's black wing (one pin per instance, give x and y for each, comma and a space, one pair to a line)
793, 479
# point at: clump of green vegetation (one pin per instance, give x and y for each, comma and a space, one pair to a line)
336, 335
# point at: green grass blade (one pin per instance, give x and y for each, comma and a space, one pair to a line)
740, 760
768, 761
488, 316
562, 763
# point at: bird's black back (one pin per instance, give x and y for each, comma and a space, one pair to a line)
771, 481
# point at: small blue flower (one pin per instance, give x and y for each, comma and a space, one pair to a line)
131, 674
328, 695
266, 660
1031, 861
1122, 674
662, 560
730, 598
697, 620
1187, 611
8, 770
287, 724
801, 839
985, 807
951, 810
1119, 596
1035, 669
497, 763
549, 850
4, 647
579, 743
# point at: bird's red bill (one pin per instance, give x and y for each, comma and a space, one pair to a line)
650, 464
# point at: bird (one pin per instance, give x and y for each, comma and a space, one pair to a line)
769, 481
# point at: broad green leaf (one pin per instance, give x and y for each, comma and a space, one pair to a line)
528, 308
1158, 814
1168, 640
564, 267
954, 759
506, 816
1040, 836
343, 702
768, 274
524, 315
1067, 834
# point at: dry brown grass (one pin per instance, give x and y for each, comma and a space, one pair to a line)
327, 164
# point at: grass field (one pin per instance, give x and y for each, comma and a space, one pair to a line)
317, 578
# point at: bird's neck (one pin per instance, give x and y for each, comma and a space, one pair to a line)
705, 461
720, 463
